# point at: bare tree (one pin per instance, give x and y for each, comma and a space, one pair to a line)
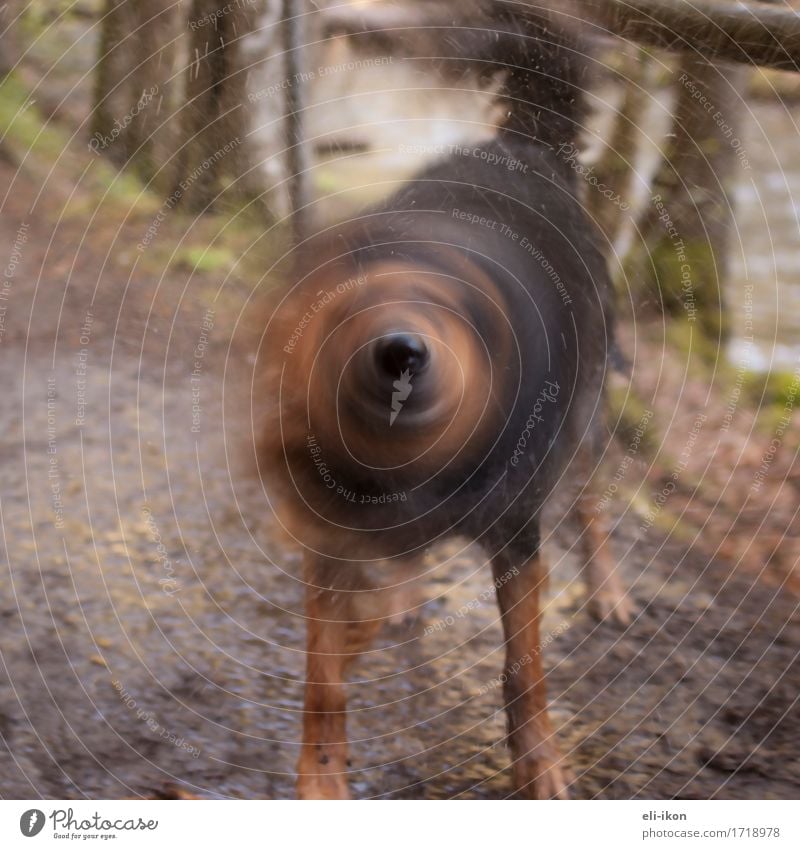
134, 83
5, 59
686, 232
214, 121
615, 167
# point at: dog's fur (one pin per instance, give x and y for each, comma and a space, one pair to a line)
498, 272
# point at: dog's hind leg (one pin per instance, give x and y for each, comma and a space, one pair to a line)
607, 598
519, 578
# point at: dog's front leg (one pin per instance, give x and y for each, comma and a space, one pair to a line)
322, 768
519, 575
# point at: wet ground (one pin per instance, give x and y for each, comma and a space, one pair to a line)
151, 629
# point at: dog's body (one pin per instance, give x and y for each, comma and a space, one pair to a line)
438, 365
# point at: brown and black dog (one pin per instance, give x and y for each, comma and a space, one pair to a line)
437, 364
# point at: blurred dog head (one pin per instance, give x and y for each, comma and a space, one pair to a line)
386, 371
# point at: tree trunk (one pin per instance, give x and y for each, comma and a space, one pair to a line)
5, 59
112, 29
214, 120
686, 231
133, 84
615, 167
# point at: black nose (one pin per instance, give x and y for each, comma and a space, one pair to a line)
401, 352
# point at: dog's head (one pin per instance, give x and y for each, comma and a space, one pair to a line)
387, 371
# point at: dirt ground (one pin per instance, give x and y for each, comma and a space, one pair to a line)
151, 618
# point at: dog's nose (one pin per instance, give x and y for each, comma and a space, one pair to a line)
401, 352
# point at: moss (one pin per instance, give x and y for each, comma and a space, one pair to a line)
678, 527
83, 187
233, 240
774, 390
40, 146
204, 259
21, 127
688, 285
697, 348
626, 413
768, 393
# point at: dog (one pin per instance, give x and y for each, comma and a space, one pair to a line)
436, 364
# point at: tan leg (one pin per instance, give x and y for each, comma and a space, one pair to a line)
334, 637
536, 767
321, 771
607, 596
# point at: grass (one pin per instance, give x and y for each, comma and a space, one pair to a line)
79, 186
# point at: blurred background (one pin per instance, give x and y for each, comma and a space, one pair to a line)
152, 632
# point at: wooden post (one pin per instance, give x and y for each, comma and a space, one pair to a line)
296, 151
752, 32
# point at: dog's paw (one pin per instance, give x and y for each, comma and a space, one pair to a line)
611, 606
328, 786
535, 778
